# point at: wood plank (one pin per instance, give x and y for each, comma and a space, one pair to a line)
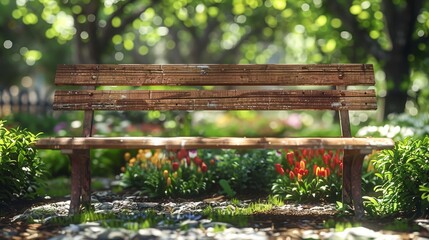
215, 100
221, 142
215, 74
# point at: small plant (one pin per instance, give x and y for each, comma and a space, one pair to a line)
275, 201
20, 168
404, 172
226, 188
309, 175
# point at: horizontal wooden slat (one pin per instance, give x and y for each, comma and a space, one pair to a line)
222, 142
215, 100
215, 74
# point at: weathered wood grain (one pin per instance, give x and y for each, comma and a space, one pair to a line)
215, 74
221, 142
215, 100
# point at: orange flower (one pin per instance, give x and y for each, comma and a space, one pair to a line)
165, 173
302, 164
132, 161
322, 172
127, 156
299, 177
317, 172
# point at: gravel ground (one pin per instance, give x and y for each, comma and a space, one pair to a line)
290, 221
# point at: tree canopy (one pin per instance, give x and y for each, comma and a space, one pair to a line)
393, 35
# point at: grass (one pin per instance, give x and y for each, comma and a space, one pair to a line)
60, 187
233, 214
240, 216
130, 221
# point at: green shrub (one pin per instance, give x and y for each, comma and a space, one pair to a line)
404, 172
20, 168
249, 171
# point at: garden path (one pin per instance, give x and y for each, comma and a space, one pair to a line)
297, 221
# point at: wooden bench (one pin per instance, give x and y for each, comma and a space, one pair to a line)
281, 91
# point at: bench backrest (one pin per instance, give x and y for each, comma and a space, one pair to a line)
272, 94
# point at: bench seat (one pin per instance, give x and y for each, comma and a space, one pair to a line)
173, 143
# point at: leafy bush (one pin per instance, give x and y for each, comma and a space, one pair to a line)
309, 175
249, 171
20, 168
404, 172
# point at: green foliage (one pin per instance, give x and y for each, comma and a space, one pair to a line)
20, 168
250, 171
309, 176
404, 172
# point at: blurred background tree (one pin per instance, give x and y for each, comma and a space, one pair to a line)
393, 35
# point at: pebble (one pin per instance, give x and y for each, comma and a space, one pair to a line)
184, 221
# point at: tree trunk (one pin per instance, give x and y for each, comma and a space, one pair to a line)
397, 71
88, 49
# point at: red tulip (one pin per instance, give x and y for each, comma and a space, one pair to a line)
198, 161
279, 169
182, 154
291, 175
175, 166
326, 158
327, 172
290, 158
203, 167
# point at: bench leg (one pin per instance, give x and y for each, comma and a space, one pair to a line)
75, 183
352, 181
356, 187
86, 179
347, 173
80, 180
